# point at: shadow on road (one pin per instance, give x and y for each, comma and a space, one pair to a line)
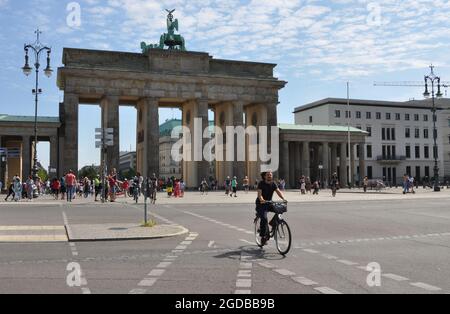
255, 253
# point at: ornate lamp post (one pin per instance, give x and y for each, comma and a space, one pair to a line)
434, 81
37, 48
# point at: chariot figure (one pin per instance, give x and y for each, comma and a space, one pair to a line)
169, 39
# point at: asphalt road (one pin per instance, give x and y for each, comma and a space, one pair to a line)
334, 242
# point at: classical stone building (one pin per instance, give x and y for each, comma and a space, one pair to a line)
17, 137
400, 134
191, 81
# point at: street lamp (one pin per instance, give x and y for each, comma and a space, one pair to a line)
434, 81
37, 48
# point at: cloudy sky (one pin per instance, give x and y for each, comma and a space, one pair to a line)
318, 46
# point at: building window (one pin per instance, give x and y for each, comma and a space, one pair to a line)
397, 116
427, 172
383, 134
393, 134
417, 133
408, 170
407, 132
358, 114
369, 151
425, 133
369, 116
407, 117
425, 117
408, 152
416, 117
426, 152
388, 116
388, 134
378, 115
337, 114
348, 114
417, 152
369, 130
310, 119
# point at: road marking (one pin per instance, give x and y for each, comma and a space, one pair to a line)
267, 265
246, 265
284, 272
328, 256
211, 244
425, 286
246, 241
311, 251
153, 277
305, 281
345, 262
395, 277
326, 290
243, 292
148, 282
244, 277
245, 273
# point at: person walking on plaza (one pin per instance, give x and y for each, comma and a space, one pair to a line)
334, 184
63, 188
10, 191
204, 187
30, 188
246, 185
55, 186
227, 185
97, 188
365, 184
303, 186
234, 187
405, 184
17, 189
70, 181
316, 188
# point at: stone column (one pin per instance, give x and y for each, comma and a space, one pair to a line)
70, 133
284, 159
326, 162
362, 161
203, 166
239, 167
110, 119
297, 164
2, 167
343, 173
352, 164
306, 162
53, 155
272, 121
334, 158
148, 137
26, 157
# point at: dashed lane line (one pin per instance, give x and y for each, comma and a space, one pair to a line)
155, 274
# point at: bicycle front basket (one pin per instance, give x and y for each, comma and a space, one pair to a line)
279, 208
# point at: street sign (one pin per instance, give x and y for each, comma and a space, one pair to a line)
320, 167
104, 137
14, 153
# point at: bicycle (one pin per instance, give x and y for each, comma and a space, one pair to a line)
280, 231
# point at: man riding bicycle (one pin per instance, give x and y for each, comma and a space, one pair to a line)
266, 188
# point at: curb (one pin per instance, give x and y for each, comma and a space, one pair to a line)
182, 231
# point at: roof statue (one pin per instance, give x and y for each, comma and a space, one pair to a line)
169, 39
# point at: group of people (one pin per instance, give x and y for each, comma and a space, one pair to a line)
18, 190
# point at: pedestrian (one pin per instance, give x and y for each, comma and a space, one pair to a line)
17, 189
303, 185
365, 184
405, 184
246, 185
316, 188
234, 187
70, 182
30, 188
204, 187
227, 185
97, 185
177, 188
55, 186
10, 191
125, 187
308, 185
334, 184
182, 187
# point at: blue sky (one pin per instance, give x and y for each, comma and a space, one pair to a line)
318, 46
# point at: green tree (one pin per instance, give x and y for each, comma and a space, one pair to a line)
42, 174
89, 171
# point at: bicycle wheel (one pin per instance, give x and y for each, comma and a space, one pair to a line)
283, 238
257, 232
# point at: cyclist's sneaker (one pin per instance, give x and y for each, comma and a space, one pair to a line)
264, 241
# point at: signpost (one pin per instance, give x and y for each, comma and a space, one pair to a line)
104, 138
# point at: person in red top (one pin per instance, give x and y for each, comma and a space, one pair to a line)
71, 181
56, 185
125, 187
112, 180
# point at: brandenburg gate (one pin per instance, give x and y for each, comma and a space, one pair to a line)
239, 93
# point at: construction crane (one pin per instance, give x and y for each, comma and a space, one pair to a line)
445, 85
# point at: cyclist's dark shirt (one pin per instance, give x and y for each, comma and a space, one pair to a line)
267, 190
